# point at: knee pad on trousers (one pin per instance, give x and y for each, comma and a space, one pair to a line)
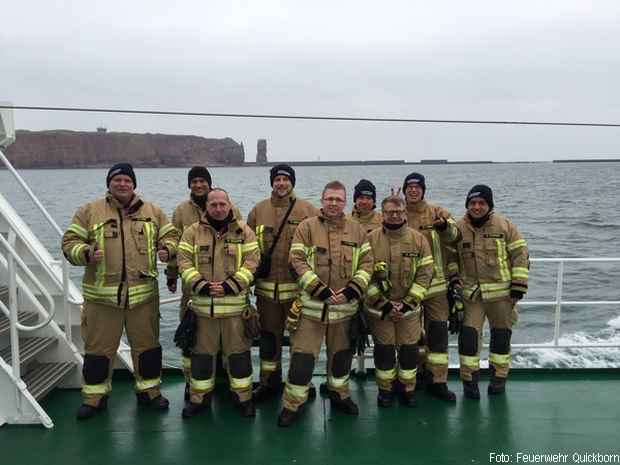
385, 357
202, 366
408, 356
302, 366
267, 348
240, 365
468, 341
438, 336
96, 368
500, 341
149, 363
341, 363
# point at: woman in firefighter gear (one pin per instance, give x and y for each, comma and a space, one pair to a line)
276, 287
494, 268
185, 214
217, 258
403, 267
118, 239
365, 199
440, 230
333, 262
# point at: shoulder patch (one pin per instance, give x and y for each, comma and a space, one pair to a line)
321, 249
425, 227
494, 236
349, 243
411, 254
467, 245
294, 221
204, 248
233, 241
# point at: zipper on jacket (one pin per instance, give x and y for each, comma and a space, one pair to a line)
213, 273
124, 272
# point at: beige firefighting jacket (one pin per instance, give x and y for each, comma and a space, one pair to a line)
184, 215
205, 255
129, 239
494, 258
265, 219
420, 218
369, 221
403, 268
330, 254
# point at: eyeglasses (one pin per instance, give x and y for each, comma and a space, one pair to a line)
393, 212
333, 200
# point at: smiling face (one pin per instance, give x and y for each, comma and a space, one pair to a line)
333, 202
364, 203
199, 187
414, 193
477, 207
121, 187
218, 205
393, 213
282, 186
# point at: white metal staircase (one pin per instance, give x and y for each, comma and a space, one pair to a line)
40, 345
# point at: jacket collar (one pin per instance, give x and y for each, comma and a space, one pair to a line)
134, 204
365, 217
338, 222
417, 207
282, 201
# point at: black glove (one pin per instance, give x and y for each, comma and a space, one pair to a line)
514, 294
358, 333
185, 335
205, 290
455, 304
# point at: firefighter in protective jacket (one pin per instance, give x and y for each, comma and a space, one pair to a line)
494, 268
365, 199
403, 267
276, 287
439, 229
333, 262
118, 239
217, 258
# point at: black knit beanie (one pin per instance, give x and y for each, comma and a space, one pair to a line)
482, 191
198, 172
121, 168
415, 178
282, 170
367, 188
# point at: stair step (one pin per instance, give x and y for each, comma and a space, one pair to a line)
46, 376
29, 348
24, 318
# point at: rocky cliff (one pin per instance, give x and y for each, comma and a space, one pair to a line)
71, 149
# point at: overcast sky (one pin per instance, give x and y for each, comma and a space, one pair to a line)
518, 60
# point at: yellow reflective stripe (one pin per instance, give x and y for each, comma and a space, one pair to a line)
268, 366
78, 230
428, 260
244, 275
77, 253
407, 374
165, 229
355, 260
516, 244
417, 291
436, 288
520, 272
437, 358
452, 229
437, 256
385, 375
186, 362
249, 247
144, 384
102, 388
365, 248
203, 385
373, 291
453, 267
500, 359
149, 232
260, 237
298, 247
240, 383
362, 276
307, 278
100, 267
297, 391
472, 361
188, 275
502, 260
270, 286
186, 247
374, 312
495, 286
334, 382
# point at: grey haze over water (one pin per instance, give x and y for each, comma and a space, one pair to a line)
562, 210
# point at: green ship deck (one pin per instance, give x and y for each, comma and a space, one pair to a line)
544, 412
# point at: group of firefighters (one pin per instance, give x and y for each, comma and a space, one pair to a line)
410, 271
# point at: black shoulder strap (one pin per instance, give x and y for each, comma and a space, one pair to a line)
288, 213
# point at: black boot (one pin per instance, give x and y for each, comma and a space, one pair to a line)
311, 392
186, 393
246, 409
496, 386
192, 409
88, 411
470, 389
323, 389
441, 391
158, 403
344, 405
385, 399
286, 418
409, 399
